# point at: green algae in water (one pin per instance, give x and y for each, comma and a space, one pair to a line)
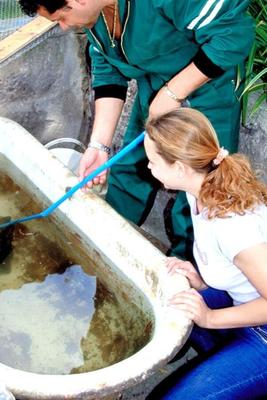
56, 317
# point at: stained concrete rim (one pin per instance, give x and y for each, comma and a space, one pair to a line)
171, 329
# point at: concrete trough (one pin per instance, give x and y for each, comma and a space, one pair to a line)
129, 265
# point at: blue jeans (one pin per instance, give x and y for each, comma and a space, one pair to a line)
231, 363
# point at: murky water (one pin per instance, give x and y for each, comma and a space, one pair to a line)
56, 317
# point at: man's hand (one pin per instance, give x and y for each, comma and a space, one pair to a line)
162, 103
91, 160
107, 114
182, 85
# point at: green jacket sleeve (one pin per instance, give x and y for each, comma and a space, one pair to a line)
222, 28
103, 73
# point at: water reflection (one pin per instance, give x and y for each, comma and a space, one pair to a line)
54, 314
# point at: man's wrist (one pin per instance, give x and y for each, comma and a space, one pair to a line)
171, 94
99, 146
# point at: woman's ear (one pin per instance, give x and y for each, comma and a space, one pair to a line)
180, 168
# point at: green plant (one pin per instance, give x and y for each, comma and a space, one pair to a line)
256, 67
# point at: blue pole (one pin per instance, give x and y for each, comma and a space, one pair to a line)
79, 185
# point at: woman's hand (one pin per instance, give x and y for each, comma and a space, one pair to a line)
92, 159
185, 268
193, 306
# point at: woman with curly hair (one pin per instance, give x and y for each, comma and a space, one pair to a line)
228, 296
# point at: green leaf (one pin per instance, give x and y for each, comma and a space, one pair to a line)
254, 80
258, 87
258, 103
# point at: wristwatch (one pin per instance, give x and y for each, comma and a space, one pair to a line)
99, 146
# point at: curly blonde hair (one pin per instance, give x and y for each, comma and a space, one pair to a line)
186, 135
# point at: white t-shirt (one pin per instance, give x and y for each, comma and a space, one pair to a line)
219, 240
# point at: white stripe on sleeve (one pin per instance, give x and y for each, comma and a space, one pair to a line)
202, 14
212, 14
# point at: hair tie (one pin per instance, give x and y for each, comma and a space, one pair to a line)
220, 156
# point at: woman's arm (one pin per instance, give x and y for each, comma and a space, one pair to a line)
253, 263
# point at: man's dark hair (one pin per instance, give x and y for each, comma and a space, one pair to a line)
30, 7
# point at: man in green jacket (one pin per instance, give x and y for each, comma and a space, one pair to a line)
179, 52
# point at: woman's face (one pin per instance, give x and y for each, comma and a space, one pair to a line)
168, 174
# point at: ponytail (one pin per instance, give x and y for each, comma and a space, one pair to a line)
232, 187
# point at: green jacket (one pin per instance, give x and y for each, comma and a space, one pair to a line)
160, 37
